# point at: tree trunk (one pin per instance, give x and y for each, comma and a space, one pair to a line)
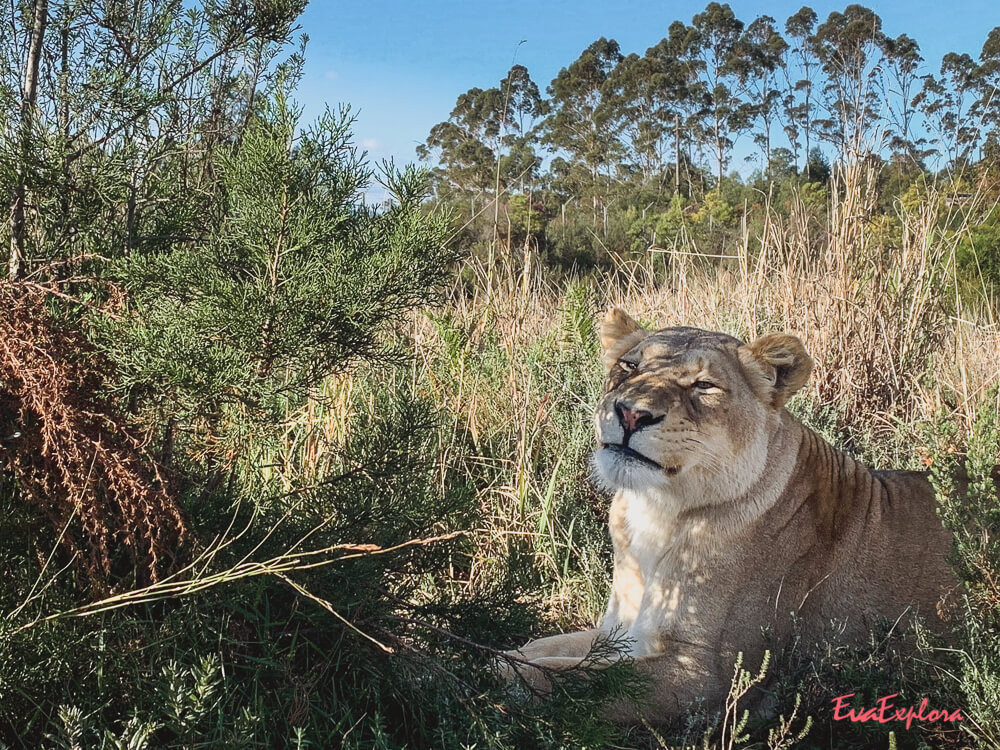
808, 120
677, 154
767, 148
63, 120
719, 154
16, 263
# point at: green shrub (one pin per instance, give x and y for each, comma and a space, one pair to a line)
970, 507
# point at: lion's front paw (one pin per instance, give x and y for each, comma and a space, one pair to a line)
535, 674
515, 669
505, 664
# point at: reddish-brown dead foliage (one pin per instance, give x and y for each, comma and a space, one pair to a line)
70, 455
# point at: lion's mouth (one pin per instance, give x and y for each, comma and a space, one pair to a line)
624, 450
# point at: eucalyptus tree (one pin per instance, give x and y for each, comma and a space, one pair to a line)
799, 98
484, 145
583, 124
650, 92
945, 102
523, 108
759, 64
987, 106
465, 163
693, 98
903, 60
466, 144
654, 95
523, 103
728, 112
631, 91
851, 48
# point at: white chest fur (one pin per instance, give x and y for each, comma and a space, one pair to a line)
658, 562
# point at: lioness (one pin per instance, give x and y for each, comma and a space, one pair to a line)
729, 516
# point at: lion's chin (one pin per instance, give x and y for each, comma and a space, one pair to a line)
616, 467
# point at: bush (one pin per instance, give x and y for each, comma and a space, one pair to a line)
967, 483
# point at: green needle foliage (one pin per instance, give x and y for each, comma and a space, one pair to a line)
295, 280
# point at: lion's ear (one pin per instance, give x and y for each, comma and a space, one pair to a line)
619, 333
778, 365
617, 325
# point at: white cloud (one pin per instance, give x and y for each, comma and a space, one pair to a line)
369, 143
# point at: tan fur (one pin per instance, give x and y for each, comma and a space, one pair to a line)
750, 519
618, 334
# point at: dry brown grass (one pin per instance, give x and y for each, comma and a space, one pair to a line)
872, 297
874, 302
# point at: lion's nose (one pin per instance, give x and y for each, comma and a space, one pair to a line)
634, 419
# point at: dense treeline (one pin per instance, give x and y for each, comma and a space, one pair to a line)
623, 146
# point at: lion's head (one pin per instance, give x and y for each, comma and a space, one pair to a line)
690, 412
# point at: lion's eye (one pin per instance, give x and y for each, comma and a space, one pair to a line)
704, 385
627, 366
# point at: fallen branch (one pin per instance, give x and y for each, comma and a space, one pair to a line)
280, 565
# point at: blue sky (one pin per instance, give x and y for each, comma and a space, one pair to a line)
401, 65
